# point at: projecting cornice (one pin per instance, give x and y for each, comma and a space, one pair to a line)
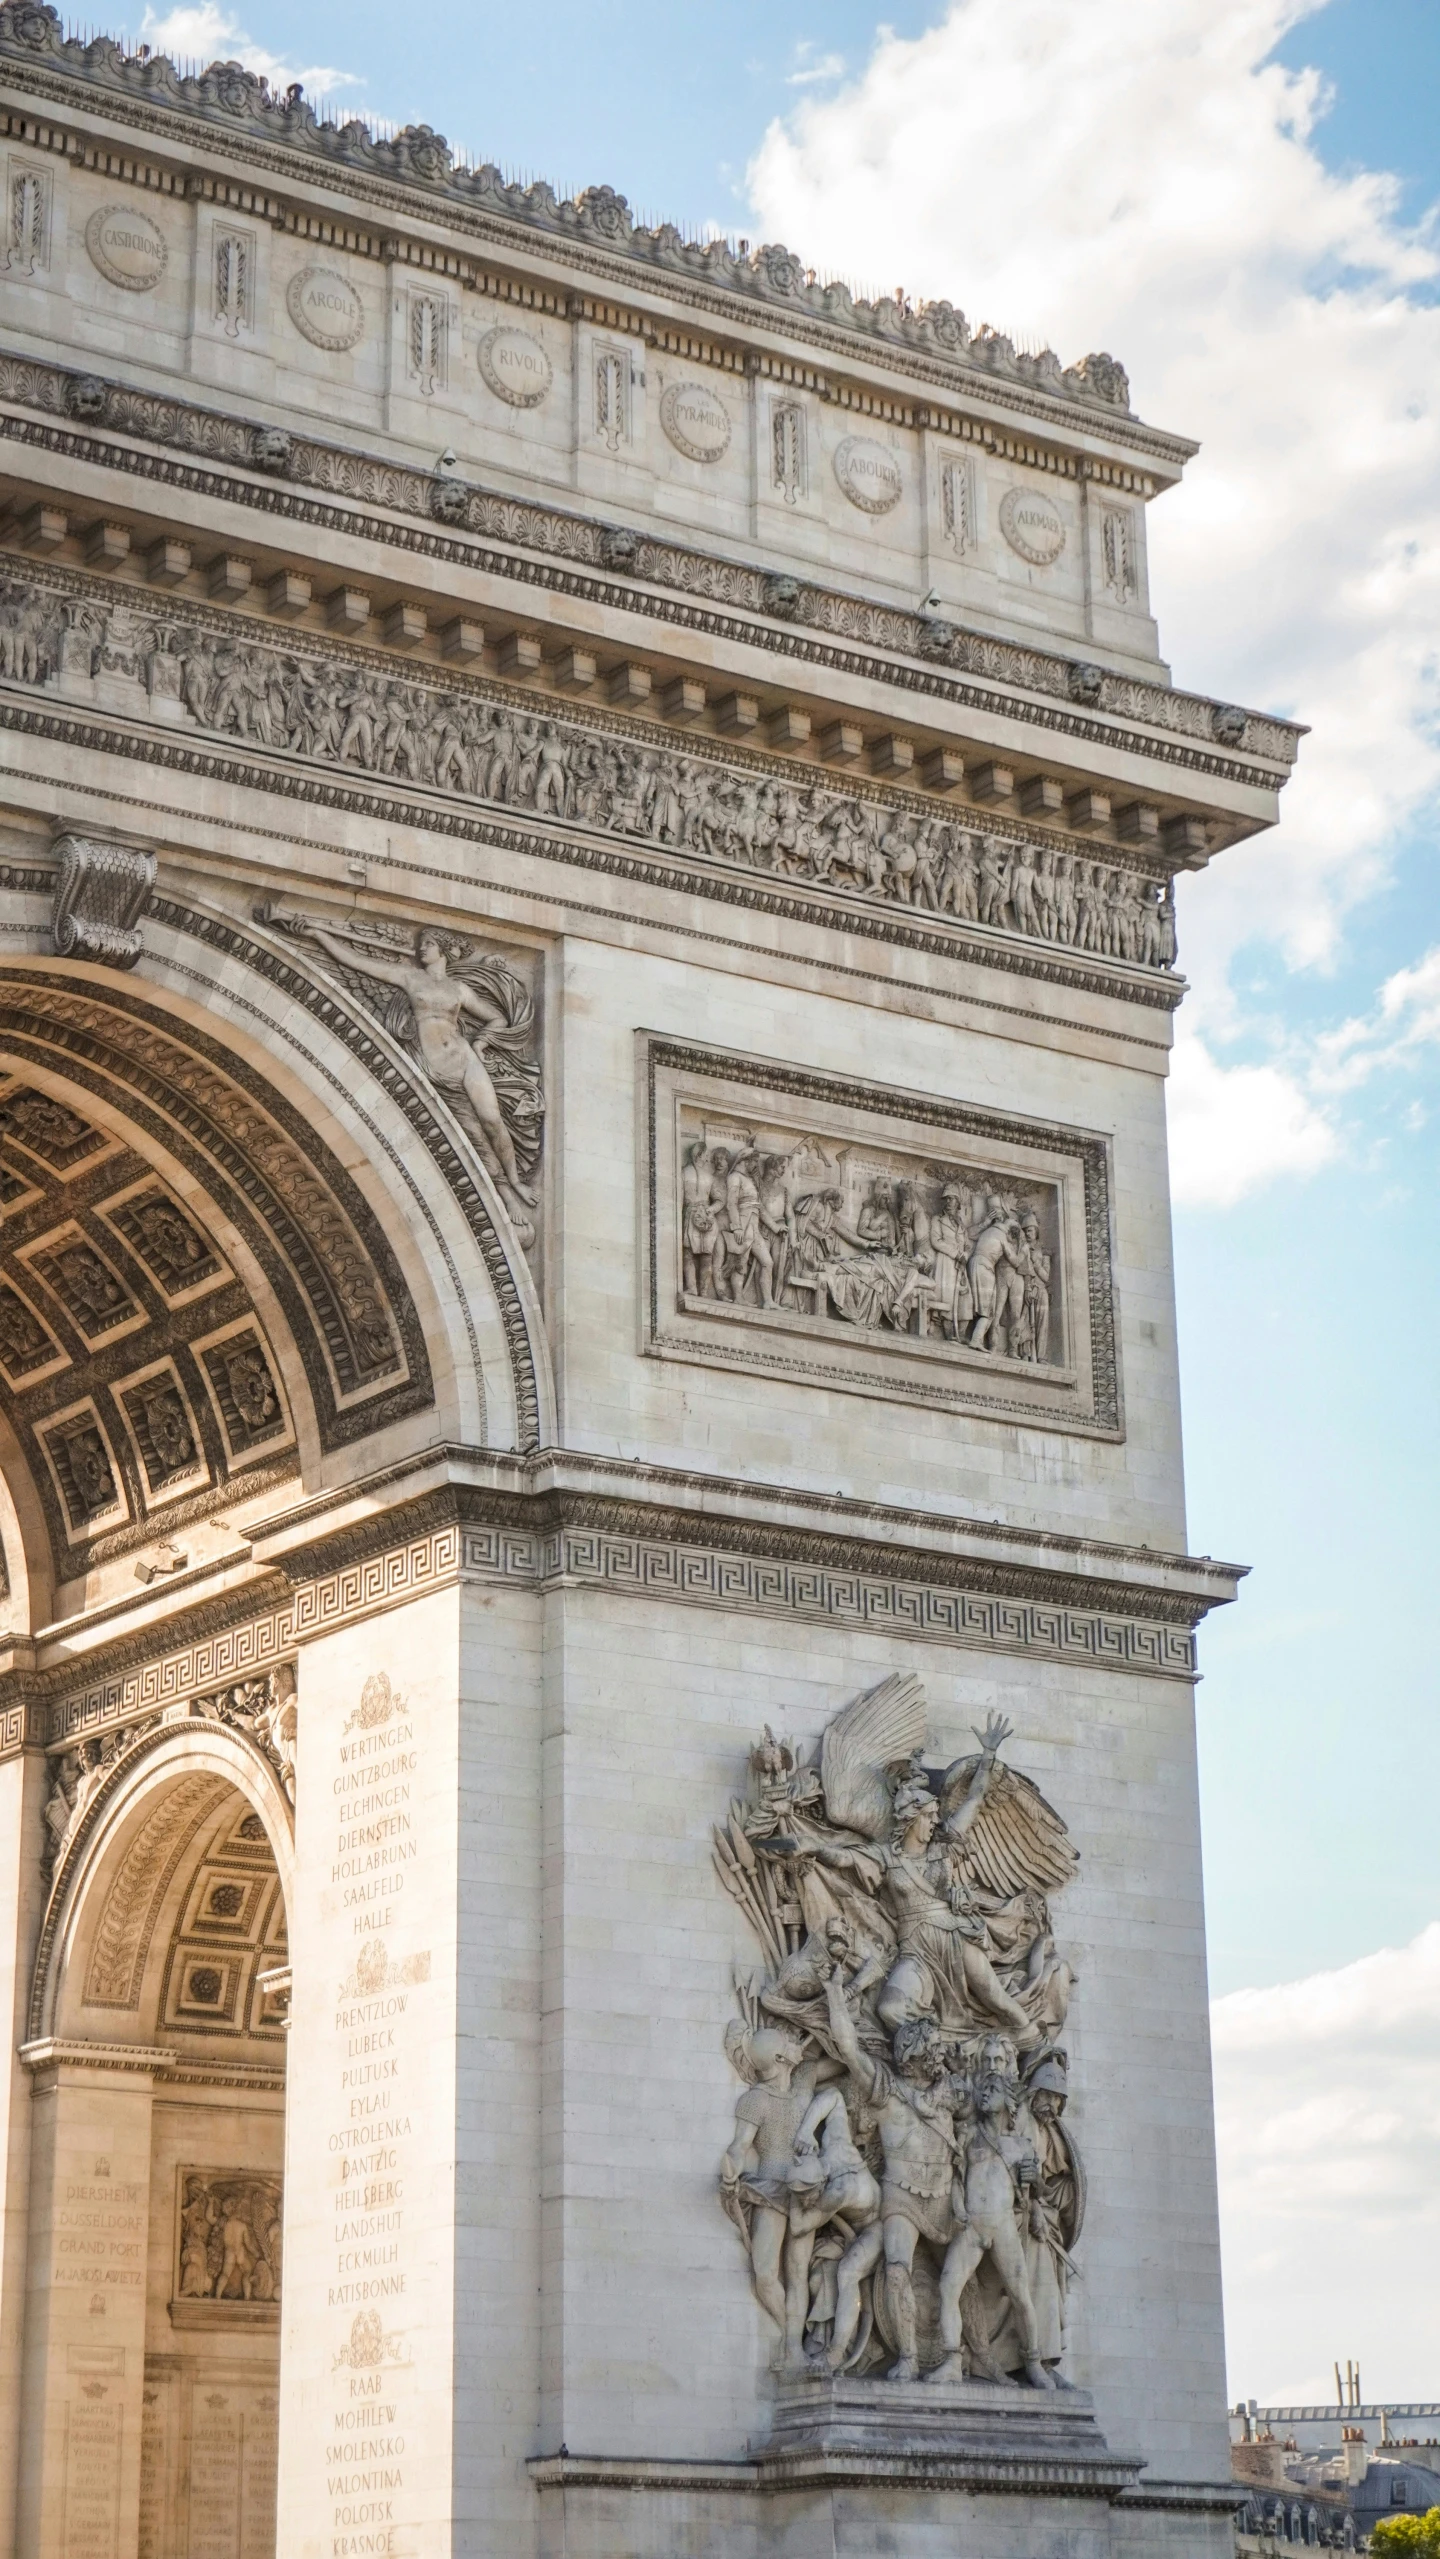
304, 481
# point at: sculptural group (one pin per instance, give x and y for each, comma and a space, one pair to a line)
944, 1253
902, 2174
334, 710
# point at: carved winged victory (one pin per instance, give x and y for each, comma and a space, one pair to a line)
901, 2173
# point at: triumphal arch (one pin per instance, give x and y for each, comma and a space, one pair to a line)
601, 1903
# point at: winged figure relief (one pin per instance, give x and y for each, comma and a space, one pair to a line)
467, 1019
902, 1910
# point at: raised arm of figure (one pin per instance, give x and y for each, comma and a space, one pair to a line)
352, 952
997, 1732
821, 2107
847, 2041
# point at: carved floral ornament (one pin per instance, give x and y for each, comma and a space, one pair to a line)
197, 672
902, 2174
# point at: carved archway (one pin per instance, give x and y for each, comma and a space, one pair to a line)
157, 2048
245, 1240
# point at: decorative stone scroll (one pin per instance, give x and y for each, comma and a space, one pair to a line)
358, 714
904, 2181
100, 895
842, 1235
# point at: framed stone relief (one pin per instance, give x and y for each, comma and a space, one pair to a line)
886, 1243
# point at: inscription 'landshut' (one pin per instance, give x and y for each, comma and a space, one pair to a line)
375, 1844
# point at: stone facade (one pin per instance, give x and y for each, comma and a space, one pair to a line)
597, 1775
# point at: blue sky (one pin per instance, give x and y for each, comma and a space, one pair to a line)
1238, 197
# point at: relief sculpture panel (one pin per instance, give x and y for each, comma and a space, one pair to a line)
902, 2174
203, 671
837, 1233
227, 2247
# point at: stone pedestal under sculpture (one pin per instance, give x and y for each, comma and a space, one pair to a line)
601, 1894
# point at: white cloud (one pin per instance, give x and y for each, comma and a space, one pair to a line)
207, 33
811, 67
1142, 179
1235, 1128
1327, 2099
1404, 1024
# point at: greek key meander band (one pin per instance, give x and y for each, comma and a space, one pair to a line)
696, 1576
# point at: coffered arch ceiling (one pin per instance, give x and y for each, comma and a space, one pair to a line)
168, 1905
205, 1284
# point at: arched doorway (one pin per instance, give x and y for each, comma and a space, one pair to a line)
157, 2051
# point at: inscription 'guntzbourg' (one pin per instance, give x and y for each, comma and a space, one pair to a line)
334, 711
